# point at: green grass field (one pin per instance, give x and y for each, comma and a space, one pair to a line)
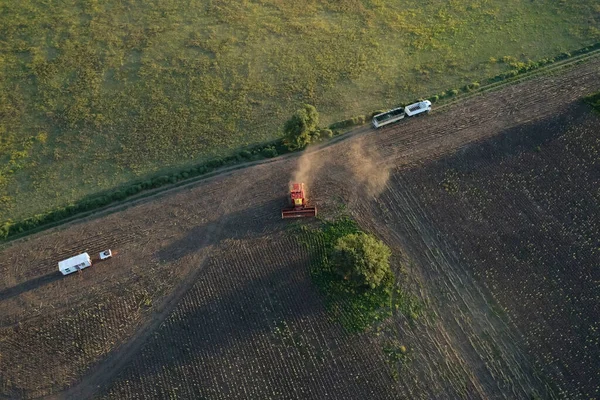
96, 93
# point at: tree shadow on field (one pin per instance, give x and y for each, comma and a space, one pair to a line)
518, 140
224, 319
29, 285
258, 220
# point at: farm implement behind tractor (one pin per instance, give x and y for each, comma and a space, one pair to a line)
299, 208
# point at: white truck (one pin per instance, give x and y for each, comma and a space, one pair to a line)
397, 114
418, 108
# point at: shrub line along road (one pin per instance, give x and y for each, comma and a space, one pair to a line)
410, 142
150, 194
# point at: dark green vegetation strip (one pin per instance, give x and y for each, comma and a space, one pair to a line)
12, 229
594, 101
97, 94
356, 308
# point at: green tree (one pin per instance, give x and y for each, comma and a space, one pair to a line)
5, 229
361, 258
302, 128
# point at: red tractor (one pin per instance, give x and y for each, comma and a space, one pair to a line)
298, 202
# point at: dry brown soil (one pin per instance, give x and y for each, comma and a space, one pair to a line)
208, 295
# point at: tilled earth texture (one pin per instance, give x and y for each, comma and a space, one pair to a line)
491, 205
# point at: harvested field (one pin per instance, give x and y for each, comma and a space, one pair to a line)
209, 295
521, 212
268, 335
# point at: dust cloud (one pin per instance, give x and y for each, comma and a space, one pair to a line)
308, 168
359, 163
368, 168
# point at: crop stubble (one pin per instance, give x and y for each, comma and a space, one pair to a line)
465, 350
255, 329
521, 214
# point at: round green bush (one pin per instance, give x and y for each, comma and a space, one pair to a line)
131, 190
119, 195
49, 217
342, 124
5, 229
83, 205
147, 184
93, 203
358, 120
59, 214
269, 152
327, 133
161, 180
26, 225
245, 154
215, 163
564, 55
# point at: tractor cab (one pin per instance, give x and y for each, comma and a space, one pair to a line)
298, 204
297, 194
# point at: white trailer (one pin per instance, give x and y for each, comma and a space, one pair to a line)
388, 117
418, 108
397, 114
74, 264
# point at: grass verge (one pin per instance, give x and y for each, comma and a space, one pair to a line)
10, 229
95, 95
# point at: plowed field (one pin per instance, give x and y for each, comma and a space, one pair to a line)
521, 212
487, 203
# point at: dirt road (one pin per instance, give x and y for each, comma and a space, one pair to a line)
168, 244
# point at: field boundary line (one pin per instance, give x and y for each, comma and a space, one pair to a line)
225, 171
544, 70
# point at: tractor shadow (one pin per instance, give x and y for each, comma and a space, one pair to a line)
259, 220
29, 285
